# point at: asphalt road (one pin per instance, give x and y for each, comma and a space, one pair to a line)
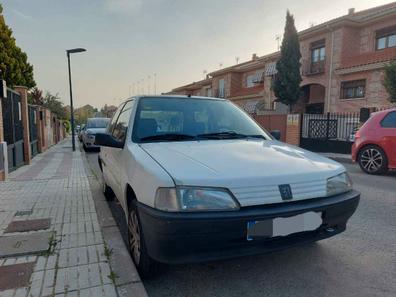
359, 262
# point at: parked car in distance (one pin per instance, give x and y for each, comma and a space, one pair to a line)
375, 143
80, 132
199, 180
93, 126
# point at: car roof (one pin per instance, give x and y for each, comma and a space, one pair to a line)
176, 97
382, 112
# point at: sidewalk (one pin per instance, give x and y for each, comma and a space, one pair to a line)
51, 241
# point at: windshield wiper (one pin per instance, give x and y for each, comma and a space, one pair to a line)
228, 134
168, 136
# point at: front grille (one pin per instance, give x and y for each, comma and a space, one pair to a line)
267, 194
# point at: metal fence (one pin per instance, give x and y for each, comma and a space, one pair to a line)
330, 132
13, 129
336, 126
33, 114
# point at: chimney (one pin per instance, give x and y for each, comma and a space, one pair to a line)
351, 11
254, 57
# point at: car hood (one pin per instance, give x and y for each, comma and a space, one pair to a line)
251, 169
95, 130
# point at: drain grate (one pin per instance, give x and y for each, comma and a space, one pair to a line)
15, 276
20, 213
28, 225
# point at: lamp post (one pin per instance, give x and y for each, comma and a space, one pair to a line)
68, 52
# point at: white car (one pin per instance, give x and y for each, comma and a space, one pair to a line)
93, 126
199, 180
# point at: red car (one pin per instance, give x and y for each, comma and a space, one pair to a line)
375, 143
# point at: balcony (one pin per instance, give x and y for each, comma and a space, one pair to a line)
313, 68
220, 93
368, 58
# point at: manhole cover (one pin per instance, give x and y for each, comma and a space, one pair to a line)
15, 276
20, 213
28, 225
24, 244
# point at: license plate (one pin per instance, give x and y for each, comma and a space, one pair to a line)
283, 226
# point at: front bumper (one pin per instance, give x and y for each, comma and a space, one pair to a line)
199, 237
90, 142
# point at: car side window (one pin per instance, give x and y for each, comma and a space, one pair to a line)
121, 126
389, 120
113, 121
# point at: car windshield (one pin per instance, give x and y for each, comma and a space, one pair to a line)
97, 123
178, 119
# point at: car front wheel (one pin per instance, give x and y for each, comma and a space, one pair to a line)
373, 160
137, 247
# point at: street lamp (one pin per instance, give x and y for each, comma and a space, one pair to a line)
68, 52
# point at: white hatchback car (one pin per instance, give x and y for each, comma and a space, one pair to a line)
199, 180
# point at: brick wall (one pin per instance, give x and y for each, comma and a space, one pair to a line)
25, 122
293, 129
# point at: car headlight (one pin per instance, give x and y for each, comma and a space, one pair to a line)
339, 184
195, 199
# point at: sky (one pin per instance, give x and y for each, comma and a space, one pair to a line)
129, 40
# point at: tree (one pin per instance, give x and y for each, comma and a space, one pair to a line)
14, 67
53, 103
81, 114
389, 81
287, 82
36, 96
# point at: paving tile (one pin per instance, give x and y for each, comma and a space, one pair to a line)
15, 276
28, 225
24, 244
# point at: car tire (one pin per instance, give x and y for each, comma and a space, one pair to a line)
145, 265
373, 160
107, 191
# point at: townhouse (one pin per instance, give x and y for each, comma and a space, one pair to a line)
342, 68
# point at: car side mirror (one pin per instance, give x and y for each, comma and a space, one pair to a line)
276, 134
104, 139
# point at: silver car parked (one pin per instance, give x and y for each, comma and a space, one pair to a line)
93, 126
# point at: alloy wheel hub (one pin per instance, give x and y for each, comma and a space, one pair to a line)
371, 160
134, 236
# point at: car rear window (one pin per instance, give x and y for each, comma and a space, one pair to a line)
97, 123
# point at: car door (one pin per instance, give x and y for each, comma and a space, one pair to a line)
388, 132
106, 153
117, 160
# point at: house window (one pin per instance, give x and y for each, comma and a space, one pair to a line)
250, 80
386, 38
221, 88
353, 89
318, 52
318, 56
209, 92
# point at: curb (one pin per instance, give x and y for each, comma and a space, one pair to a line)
338, 158
342, 160
127, 282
